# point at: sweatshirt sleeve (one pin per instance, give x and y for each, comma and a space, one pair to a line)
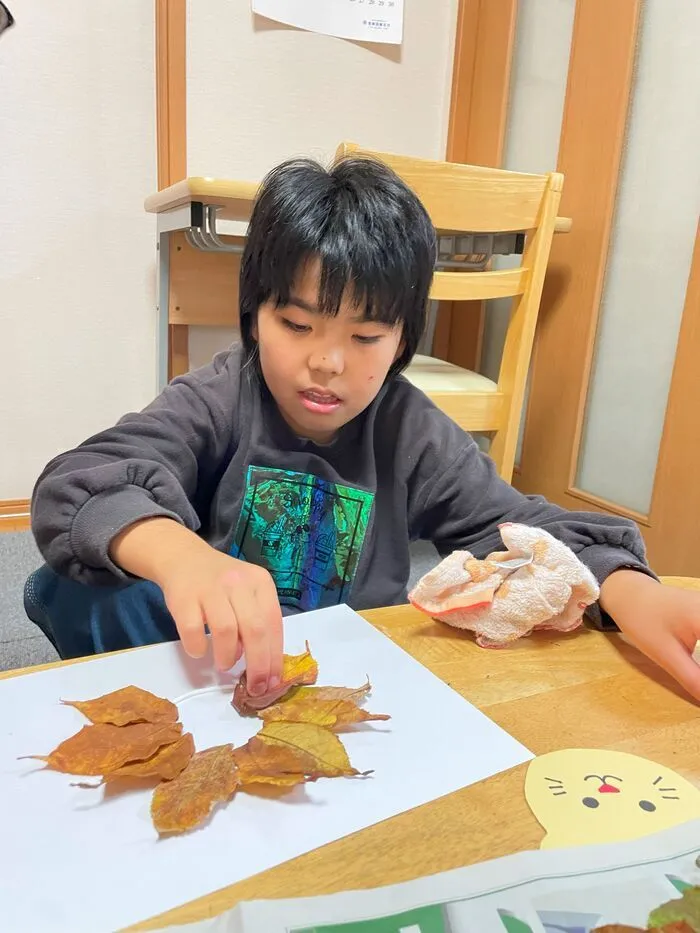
459, 501
161, 461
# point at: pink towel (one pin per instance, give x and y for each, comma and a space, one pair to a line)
537, 583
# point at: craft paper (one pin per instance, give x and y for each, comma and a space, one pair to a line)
90, 860
583, 796
566, 891
361, 20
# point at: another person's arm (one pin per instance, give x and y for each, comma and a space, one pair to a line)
459, 501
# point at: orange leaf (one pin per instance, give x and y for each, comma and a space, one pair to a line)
333, 714
103, 748
130, 704
297, 669
165, 765
317, 752
185, 802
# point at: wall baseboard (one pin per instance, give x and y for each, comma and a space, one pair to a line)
14, 515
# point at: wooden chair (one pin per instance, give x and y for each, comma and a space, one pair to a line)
474, 199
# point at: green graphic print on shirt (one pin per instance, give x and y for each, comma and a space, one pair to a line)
308, 532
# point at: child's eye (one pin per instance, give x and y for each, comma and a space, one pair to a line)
363, 338
294, 327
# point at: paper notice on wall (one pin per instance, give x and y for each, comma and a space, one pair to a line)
362, 20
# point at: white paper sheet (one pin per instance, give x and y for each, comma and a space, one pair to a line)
547, 891
86, 861
361, 20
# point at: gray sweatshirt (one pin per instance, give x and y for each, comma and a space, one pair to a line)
331, 523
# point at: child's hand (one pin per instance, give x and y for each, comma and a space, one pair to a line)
236, 600
662, 621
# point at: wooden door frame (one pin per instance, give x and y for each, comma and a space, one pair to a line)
171, 124
596, 107
598, 97
483, 58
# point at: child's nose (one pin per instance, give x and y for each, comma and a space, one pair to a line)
327, 360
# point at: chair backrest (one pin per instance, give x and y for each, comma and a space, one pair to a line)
475, 199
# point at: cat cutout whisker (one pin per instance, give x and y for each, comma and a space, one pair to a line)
553, 780
664, 797
667, 790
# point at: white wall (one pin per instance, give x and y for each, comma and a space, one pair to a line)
77, 251
259, 93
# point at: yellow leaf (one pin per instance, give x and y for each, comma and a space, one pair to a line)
321, 753
330, 693
297, 670
186, 801
333, 714
261, 763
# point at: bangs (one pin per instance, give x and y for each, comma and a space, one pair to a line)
371, 237
373, 291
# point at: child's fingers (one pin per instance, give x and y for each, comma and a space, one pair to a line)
255, 640
678, 661
223, 625
270, 612
187, 614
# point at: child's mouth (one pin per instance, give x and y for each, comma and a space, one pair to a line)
321, 403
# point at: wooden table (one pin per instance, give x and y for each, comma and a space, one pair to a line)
550, 691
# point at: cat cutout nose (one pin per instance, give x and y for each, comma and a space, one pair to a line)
608, 789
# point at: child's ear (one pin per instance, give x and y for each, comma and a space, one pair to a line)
399, 350
254, 329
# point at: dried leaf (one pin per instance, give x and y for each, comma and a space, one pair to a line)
165, 765
320, 752
332, 714
103, 748
125, 706
185, 802
260, 763
357, 694
297, 669
685, 908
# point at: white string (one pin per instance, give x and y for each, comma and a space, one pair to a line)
201, 690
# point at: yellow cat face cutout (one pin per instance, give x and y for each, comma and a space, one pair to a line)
588, 795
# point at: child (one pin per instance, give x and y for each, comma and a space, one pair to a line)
293, 471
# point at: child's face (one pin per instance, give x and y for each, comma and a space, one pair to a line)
322, 371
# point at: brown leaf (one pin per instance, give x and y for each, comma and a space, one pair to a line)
103, 748
332, 714
127, 705
297, 669
185, 802
165, 765
319, 753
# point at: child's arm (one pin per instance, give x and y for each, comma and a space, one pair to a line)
127, 502
157, 462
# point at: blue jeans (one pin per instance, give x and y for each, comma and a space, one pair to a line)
82, 620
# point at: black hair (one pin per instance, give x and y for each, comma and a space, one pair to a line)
369, 231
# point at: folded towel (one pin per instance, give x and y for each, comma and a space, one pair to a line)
536, 583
